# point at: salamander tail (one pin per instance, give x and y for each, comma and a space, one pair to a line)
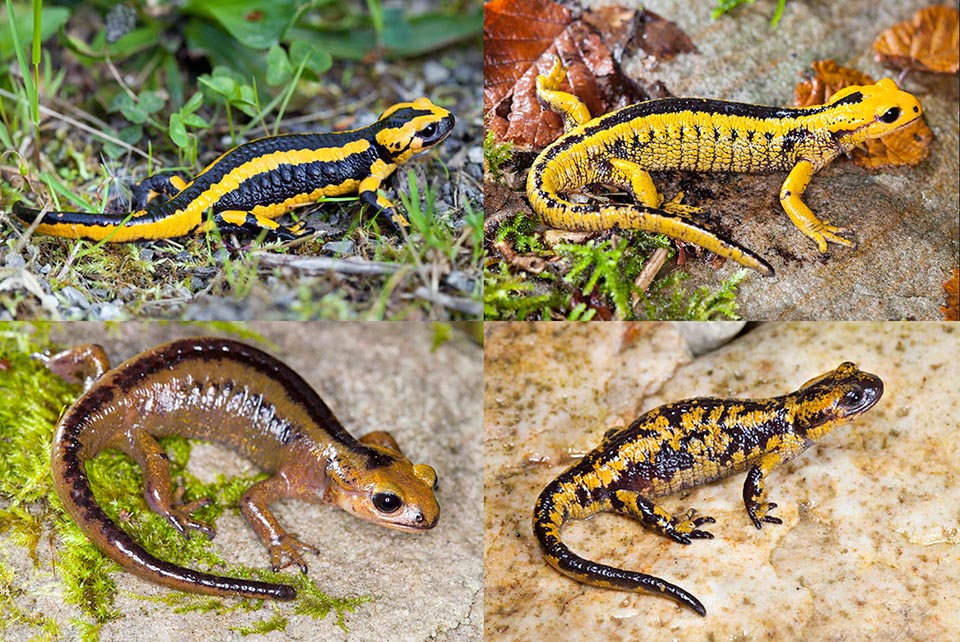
80, 503
587, 217
548, 517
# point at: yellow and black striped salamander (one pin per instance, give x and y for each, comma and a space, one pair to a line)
253, 184
696, 134
686, 444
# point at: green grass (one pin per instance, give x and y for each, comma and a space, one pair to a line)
724, 6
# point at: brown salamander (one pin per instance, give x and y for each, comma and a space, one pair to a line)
224, 391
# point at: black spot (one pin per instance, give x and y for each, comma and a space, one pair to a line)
853, 99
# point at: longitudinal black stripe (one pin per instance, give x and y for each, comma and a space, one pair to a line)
209, 350
288, 180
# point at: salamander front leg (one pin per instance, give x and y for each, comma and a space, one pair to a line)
754, 493
370, 195
801, 215
285, 549
683, 529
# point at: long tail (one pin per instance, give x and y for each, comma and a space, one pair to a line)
78, 499
548, 516
587, 217
152, 223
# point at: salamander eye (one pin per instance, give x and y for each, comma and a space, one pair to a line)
429, 131
387, 502
891, 115
852, 398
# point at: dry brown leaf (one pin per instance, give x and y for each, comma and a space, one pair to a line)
951, 311
521, 41
515, 34
616, 25
930, 41
661, 38
908, 146
828, 79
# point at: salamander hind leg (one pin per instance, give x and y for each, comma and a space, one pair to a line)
82, 364
684, 528
250, 223
570, 108
150, 187
802, 216
631, 176
158, 485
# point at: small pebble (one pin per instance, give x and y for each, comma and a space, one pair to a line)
339, 247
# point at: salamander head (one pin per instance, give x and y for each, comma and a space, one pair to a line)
382, 486
857, 113
834, 398
410, 128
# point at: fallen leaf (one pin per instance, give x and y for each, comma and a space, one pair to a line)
616, 25
907, 146
521, 40
515, 35
661, 38
930, 41
951, 311
828, 79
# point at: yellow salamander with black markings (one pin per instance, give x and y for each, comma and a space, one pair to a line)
686, 444
696, 134
255, 183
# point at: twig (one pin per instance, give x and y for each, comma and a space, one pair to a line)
467, 306
320, 264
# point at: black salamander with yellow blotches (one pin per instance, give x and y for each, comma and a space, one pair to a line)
695, 134
686, 444
253, 184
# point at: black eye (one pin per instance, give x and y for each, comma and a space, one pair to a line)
387, 502
891, 115
852, 397
429, 131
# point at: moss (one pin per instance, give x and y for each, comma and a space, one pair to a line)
32, 507
441, 334
275, 623
668, 300
496, 154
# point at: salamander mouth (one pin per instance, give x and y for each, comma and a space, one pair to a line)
415, 528
877, 119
